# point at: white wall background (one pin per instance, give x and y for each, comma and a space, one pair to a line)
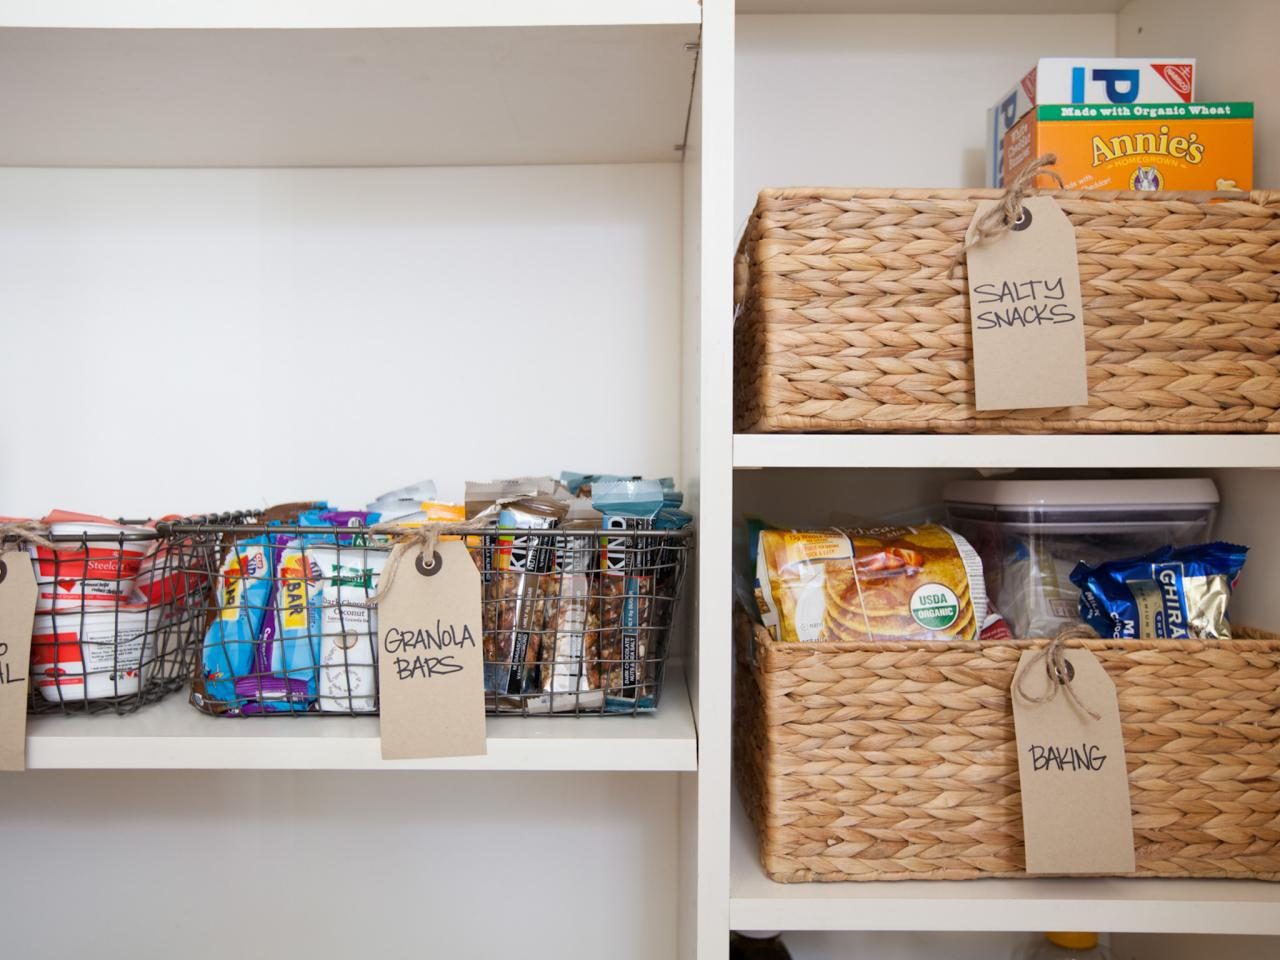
465, 866
1234, 43
192, 340
882, 101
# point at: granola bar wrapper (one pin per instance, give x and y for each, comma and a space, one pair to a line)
523, 562
628, 568
570, 670
484, 499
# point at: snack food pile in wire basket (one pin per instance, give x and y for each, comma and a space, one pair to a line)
577, 602
117, 624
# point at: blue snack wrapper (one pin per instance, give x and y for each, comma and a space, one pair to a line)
640, 499
1173, 593
244, 584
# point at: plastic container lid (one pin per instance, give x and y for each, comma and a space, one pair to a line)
1189, 492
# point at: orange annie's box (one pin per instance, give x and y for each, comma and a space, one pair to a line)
1139, 146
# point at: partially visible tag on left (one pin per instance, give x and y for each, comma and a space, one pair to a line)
17, 611
1026, 312
1076, 814
430, 655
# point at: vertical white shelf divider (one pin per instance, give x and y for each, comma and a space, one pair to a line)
715, 482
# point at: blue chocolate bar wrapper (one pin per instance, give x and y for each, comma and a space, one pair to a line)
1173, 593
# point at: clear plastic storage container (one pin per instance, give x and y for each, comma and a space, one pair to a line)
1031, 534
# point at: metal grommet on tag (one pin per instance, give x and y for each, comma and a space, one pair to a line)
1065, 674
4, 571
429, 569
1023, 221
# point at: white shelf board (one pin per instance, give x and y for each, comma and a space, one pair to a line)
339, 14
1067, 451
172, 735
1104, 904
930, 6
448, 96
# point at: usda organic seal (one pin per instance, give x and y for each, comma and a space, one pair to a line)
935, 606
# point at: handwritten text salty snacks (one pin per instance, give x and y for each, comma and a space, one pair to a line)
1166, 146
870, 584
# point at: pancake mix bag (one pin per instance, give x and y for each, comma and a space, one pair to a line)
870, 584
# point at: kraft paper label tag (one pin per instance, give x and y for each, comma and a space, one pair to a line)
1026, 313
17, 612
1075, 786
431, 656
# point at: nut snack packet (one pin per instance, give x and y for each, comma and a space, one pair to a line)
570, 668
870, 584
627, 586
523, 562
483, 499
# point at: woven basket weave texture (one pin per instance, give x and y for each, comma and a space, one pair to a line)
852, 318
898, 761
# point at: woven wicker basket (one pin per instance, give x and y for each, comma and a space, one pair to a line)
852, 319
897, 761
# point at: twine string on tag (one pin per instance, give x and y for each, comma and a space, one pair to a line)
418, 540
30, 531
1001, 218
1058, 669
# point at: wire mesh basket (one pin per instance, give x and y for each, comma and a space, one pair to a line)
117, 625
575, 621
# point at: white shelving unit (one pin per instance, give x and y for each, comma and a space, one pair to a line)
1115, 905
501, 231
758, 451
605, 91
341, 15
864, 92
299, 248
173, 736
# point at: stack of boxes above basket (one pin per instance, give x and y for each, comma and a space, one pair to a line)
875, 734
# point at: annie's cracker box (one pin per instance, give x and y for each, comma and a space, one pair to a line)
1158, 146
1086, 80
